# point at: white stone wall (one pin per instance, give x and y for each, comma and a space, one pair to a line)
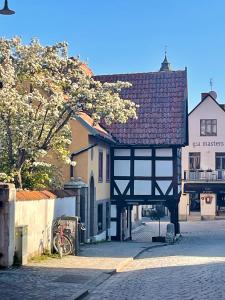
207, 110
38, 215
208, 206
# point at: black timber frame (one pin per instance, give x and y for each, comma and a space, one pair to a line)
123, 200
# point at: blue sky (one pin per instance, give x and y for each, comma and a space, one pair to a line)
121, 36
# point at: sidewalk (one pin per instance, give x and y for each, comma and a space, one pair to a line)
72, 276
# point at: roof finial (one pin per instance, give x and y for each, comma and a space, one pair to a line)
165, 65
165, 50
211, 84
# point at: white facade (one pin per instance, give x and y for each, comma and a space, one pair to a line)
202, 160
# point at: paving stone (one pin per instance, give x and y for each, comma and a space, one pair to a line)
193, 269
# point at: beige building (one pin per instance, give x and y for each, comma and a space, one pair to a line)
203, 161
90, 149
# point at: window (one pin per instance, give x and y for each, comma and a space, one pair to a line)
100, 217
220, 161
92, 153
208, 127
107, 167
194, 160
100, 166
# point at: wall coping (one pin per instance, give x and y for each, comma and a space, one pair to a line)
26, 195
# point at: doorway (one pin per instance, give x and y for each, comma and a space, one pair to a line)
92, 207
221, 203
194, 199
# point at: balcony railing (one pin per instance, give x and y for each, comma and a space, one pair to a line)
201, 175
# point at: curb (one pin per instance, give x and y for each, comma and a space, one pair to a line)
80, 294
107, 274
148, 248
124, 263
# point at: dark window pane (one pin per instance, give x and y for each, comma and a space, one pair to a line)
100, 166
194, 160
100, 217
217, 163
107, 167
208, 127
223, 163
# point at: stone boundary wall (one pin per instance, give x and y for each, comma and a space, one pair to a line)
36, 211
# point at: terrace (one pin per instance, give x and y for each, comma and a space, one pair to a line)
204, 175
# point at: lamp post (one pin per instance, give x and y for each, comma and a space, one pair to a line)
6, 10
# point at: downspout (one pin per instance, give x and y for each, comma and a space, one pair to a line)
78, 153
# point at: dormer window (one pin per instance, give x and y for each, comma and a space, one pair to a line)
208, 127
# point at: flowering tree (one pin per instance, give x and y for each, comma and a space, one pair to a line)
40, 89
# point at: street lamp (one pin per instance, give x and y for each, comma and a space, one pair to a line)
6, 10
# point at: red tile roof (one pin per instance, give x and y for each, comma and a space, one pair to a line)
23, 195
26, 195
99, 130
162, 115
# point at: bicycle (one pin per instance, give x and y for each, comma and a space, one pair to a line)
61, 241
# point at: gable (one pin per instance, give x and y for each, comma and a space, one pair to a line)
207, 109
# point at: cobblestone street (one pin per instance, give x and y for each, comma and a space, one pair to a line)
192, 269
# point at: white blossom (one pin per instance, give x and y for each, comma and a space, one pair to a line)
42, 89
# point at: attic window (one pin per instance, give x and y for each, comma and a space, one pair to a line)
208, 127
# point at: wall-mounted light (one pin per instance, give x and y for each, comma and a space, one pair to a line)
6, 10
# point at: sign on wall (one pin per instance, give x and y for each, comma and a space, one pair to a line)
208, 144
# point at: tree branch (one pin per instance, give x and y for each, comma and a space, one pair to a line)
50, 137
51, 133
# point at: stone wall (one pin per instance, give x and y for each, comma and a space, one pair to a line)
38, 216
7, 220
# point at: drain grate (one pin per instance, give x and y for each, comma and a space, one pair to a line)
80, 279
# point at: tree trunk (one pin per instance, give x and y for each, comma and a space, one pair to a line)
19, 164
18, 179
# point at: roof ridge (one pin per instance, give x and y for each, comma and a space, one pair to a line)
135, 73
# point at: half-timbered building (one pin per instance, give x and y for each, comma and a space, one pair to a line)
146, 160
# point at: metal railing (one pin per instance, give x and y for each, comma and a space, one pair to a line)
204, 175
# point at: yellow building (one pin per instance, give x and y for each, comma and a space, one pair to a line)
90, 149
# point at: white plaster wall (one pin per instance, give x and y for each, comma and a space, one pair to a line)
113, 227
164, 185
207, 110
142, 168
142, 187
164, 168
208, 209
39, 215
184, 207
143, 152
164, 152
122, 184
122, 152
113, 211
122, 167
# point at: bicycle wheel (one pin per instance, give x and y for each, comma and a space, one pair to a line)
67, 246
56, 243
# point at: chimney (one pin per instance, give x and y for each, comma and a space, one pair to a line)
213, 94
204, 95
